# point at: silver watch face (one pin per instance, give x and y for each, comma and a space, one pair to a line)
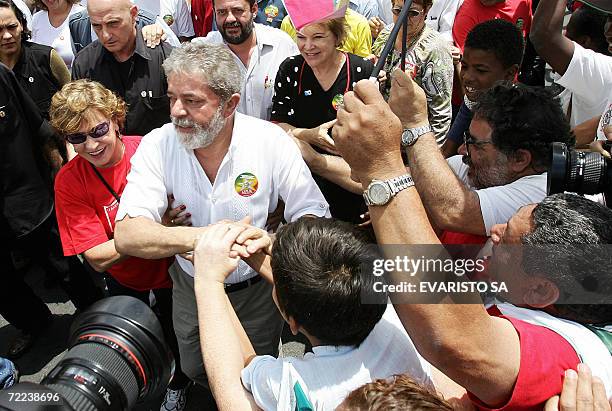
407, 137
379, 193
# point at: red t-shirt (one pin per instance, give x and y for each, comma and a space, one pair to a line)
545, 356
454, 237
86, 212
472, 12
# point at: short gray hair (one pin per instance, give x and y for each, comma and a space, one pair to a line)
213, 62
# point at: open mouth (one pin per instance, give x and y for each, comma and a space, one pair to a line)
97, 153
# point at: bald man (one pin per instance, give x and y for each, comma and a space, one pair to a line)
122, 62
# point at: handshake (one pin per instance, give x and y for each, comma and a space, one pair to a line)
222, 245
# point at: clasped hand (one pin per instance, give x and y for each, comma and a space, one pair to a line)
223, 245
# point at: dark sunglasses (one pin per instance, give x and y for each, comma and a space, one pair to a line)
411, 13
98, 131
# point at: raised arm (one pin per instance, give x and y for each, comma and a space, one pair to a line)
479, 352
332, 168
547, 37
451, 205
226, 350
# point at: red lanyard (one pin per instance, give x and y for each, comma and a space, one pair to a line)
348, 75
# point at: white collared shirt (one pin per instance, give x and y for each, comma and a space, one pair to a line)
262, 165
330, 373
179, 10
441, 17
273, 47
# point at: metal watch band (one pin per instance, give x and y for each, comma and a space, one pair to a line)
395, 185
415, 133
400, 183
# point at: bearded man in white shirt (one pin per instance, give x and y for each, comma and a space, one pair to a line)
223, 166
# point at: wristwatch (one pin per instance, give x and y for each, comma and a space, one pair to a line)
381, 192
410, 135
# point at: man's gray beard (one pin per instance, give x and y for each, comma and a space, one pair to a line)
201, 136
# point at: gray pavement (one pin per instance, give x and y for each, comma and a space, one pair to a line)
48, 350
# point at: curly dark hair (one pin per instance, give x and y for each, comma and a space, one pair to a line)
499, 37
25, 34
524, 117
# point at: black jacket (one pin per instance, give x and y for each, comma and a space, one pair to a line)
26, 198
33, 72
140, 81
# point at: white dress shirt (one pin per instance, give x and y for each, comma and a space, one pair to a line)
262, 165
273, 47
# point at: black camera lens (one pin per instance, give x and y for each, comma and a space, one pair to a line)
579, 172
118, 356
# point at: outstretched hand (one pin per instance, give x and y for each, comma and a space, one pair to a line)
213, 256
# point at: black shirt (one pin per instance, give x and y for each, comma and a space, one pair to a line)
140, 81
26, 198
300, 100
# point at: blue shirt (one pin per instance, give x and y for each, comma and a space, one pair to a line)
270, 12
460, 125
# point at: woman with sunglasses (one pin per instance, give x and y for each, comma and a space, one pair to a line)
428, 60
39, 69
309, 89
88, 192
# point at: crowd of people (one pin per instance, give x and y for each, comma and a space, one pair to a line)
235, 165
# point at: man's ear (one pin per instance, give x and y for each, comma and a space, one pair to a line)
254, 9
230, 106
520, 160
540, 293
134, 11
293, 325
510, 73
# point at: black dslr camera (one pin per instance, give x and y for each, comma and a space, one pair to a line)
580, 172
117, 357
